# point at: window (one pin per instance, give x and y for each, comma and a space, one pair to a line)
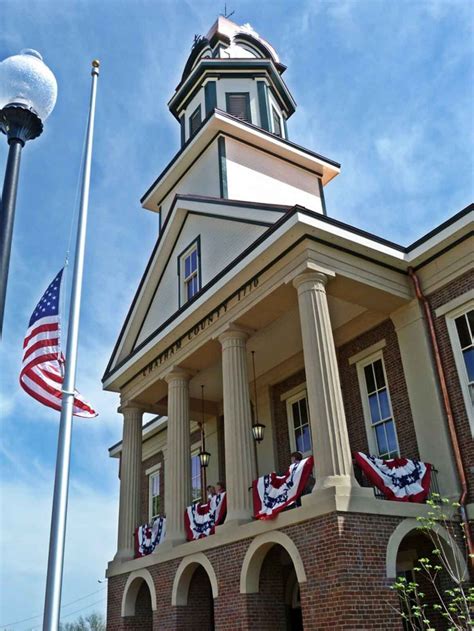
155, 499
194, 121
298, 423
196, 490
382, 433
189, 272
238, 104
465, 333
276, 122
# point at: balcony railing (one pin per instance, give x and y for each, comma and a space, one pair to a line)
361, 478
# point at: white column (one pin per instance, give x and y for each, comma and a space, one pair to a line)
332, 454
239, 449
178, 463
130, 479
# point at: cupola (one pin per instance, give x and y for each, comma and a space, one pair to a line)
234, 70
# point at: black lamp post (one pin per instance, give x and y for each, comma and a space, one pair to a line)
28, 93
204, 456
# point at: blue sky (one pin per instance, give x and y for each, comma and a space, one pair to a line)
385, 88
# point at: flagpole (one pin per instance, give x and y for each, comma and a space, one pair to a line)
59, 513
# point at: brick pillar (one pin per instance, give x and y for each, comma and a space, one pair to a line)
130, 475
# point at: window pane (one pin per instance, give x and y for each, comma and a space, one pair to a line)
194, 260
381, 440
384, 404
189, 289
299, 439
463, 331
155, 484
469, 361
187, 266
296, 414
306, 439
374, 408
470, 318
369, 378
303, 412
379, 376
391, 438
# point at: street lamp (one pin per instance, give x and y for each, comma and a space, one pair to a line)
28, 92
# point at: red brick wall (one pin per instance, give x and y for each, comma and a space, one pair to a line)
346, 588
396, 385
282, 447
438, 298
199, 612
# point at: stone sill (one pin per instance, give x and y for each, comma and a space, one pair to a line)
318, 503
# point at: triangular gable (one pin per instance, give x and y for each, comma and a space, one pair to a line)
225, 230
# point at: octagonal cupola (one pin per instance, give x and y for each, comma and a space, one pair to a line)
234, 70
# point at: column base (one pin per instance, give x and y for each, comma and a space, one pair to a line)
169, 543
345, 498
126, 554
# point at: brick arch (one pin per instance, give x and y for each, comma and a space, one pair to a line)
184, 575
409, 525
132, 587
256, 553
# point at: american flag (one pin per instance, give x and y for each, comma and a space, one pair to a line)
43, 362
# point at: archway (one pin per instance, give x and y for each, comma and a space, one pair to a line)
272, 575
138, 602
406, 546
194, 590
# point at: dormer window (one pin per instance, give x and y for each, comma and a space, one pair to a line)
189, 270
276, 123
238, 104
194, 121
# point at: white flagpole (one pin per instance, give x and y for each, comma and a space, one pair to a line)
59, 513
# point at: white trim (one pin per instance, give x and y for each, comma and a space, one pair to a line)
300, 394
296, 390
455, 303
370, 350
153, 469
132, 587
459, 310
369, 359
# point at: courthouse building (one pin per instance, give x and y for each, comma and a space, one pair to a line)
359, 345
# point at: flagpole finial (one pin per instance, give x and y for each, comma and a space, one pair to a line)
95, 66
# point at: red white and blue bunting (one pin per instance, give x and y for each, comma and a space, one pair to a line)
399, 479
147, 536
272, 493
200, 520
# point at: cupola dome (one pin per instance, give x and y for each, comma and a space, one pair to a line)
235, 70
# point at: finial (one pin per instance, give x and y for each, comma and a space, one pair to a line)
95, 66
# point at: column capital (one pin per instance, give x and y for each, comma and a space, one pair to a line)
130, 407
234, 333
177, 374
312, 277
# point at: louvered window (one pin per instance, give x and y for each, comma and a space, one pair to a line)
276, 122
238, 104
194, 121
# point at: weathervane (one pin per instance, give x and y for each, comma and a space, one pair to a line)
225, 14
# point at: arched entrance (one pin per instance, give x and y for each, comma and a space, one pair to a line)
138, 602
272, 574
194, 590
407, 545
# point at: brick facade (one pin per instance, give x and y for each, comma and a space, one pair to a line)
344, 558
396, 385
438, 298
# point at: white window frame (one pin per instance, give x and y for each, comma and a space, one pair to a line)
150, 473
458, 356
360, 365
293, 396
184, 280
